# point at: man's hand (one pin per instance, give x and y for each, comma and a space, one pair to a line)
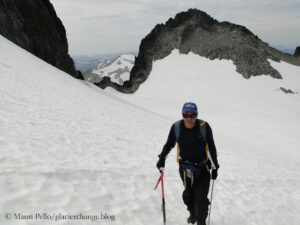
161, 163
214, 174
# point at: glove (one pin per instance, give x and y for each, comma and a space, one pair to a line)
160, 163
214, 174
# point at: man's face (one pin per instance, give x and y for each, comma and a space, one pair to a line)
189, 119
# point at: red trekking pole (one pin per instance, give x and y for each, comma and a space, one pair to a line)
161, 179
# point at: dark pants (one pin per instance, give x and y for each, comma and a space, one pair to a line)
195, 196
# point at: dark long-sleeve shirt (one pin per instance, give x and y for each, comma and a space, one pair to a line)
192, 144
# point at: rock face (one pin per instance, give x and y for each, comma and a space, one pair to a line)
34, 26
297, 52
197, 32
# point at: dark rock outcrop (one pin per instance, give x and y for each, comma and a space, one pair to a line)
34, 26
287, 91
79, 75
197, 32
297, 52
127, 86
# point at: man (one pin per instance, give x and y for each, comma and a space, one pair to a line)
197, 155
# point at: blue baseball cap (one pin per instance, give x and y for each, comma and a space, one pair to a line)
189, 106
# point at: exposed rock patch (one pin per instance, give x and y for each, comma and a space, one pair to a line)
287, 91
297, 52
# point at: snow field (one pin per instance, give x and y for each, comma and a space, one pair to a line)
254, 125
69, 147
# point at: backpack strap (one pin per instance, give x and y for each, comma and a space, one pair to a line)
203, 129
177, 133
203, 134
177, 129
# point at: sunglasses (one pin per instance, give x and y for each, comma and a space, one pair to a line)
191, 115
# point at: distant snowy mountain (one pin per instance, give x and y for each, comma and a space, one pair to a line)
70, 148
117, 70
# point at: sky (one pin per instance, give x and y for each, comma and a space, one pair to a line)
109, 26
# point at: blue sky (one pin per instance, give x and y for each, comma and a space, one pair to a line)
107, 26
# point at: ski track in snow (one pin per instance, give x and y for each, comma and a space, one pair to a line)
68, 147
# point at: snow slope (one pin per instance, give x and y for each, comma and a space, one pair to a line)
118, 70
68, 147
256, 129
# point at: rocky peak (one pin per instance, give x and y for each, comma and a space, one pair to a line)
195, 31
34, 26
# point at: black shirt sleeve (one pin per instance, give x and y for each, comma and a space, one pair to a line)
170, 143
211, 147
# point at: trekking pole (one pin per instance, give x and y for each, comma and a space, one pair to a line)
212, 190
161, 179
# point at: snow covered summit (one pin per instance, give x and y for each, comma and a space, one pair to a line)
117, 70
